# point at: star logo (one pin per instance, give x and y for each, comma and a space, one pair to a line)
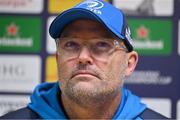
142, 32
12, 29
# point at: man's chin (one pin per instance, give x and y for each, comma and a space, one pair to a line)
84, 93
85, 85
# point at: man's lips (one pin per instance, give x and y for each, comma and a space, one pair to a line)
84, 72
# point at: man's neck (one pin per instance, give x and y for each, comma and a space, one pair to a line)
93, 110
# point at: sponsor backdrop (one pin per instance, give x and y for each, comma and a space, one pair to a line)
27, 51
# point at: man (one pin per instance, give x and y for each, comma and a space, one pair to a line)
94, 54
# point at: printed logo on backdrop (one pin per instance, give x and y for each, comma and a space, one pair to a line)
152, 37
19, 73
146, 7
10, 103
93, 5
21, 6
149, 77
20, 34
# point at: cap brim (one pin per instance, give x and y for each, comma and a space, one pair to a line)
70, 15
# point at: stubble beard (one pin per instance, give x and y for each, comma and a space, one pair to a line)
105, 89
84, 96
102, 91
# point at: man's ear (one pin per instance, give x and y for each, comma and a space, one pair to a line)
57, 58
132, 60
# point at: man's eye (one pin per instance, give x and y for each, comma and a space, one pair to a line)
71, 45
103, 46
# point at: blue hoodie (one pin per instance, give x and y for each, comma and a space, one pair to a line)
44, 101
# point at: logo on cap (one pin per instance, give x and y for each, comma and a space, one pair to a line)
128, 35
93, 5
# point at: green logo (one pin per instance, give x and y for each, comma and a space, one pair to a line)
20, 34
152, 36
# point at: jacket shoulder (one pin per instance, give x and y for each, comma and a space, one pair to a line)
23, 113
151, 114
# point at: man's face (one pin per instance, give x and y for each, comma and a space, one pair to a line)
87, 77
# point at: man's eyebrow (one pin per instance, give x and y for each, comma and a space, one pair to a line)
104, 35
109, 35
64, 34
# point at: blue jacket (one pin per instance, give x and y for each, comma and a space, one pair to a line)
44, 104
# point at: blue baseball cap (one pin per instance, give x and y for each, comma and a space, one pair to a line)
110, 17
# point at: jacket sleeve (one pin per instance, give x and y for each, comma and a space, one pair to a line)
151, 114
23, 113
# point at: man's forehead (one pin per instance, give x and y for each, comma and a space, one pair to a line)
86, 25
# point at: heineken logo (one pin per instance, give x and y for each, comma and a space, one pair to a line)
144, 42
152, 36
19, 34
11, 37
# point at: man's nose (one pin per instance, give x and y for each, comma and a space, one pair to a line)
85, 56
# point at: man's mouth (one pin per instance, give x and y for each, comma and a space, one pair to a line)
84, 73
